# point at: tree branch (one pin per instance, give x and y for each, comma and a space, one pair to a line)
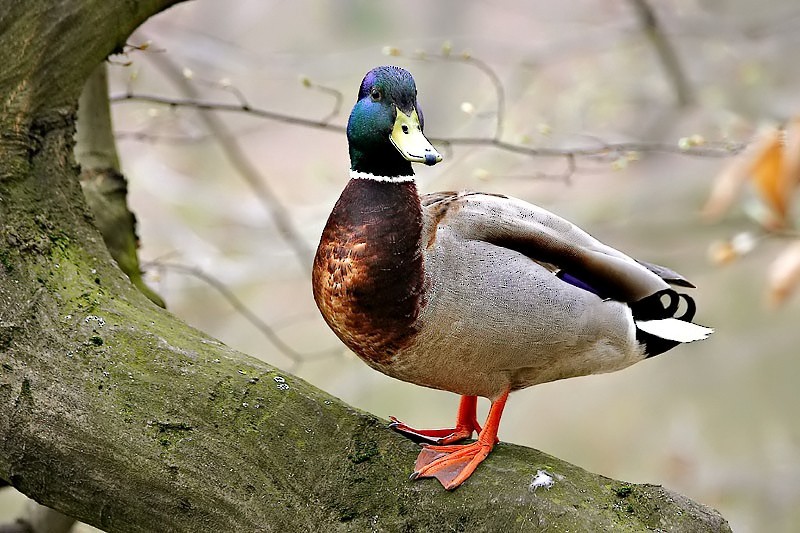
104, 186
597, 148
95, 146
115, 412
673, 69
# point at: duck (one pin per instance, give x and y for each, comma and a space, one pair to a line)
478, 294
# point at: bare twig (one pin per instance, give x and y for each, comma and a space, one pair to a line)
145, 135
673, 69
280, 214
600, 149
338, 98
221, 106
709, 149
597, 149
285, 349
176, 140
497, 84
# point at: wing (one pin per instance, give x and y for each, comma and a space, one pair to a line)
568, 251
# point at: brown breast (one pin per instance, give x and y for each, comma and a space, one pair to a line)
368, 273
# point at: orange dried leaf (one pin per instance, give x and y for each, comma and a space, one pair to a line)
730, 181
768, 178
791, 159
784, 274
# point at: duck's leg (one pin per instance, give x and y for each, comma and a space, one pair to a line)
466, 423
452, 465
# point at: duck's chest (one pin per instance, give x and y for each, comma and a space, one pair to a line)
368, 275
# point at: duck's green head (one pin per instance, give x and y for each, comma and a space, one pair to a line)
385, 127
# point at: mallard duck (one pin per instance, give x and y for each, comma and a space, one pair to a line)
473, 293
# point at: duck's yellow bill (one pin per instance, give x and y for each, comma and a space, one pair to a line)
407, 137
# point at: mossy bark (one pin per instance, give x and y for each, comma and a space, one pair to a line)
116, 413
104, 186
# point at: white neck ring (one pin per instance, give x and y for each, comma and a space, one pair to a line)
356, 175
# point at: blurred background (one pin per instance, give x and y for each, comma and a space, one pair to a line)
231, 204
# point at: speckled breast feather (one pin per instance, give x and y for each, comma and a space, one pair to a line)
368, 273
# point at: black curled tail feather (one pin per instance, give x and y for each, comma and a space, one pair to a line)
653, 307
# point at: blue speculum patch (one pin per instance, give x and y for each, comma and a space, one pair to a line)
572, 280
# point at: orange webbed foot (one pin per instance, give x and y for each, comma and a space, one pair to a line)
453, 464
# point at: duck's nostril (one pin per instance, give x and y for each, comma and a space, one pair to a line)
405, 128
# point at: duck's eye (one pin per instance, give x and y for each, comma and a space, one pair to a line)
375, 94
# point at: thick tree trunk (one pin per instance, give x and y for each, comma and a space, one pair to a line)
116, 413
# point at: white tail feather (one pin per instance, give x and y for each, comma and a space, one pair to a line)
674, 329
